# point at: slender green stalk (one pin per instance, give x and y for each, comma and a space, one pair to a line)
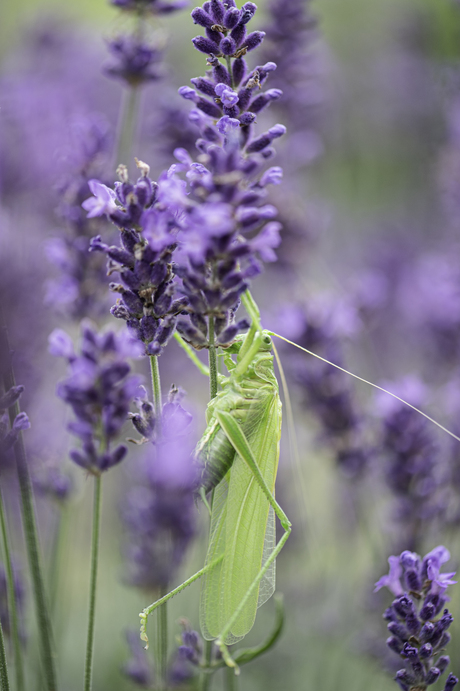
12, 605
127, 125
213, 378
204, 683
93, 581
4, 682
230, 679
161, 618
161, 647
30, 529
156, 386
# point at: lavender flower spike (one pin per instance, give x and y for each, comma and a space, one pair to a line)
416, 634
99, 391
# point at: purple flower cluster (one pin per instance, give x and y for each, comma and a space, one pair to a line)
82, 276
217, 259
159, 514
416, 634
99, 390
412, 460
134, 60
327, 392
144, 259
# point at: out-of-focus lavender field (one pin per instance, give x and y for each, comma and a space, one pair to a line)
364, 272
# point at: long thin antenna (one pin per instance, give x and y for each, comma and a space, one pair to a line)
365, 381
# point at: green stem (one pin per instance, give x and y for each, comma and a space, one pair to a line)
161, 652
230, 679
205, 677
93, 581
161, 618
12, 605
5, 684
213, 372
30, 528
127, 125
156, 386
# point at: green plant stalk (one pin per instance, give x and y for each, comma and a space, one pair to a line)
12, 605
30, 530
161, 618
4, 682
204, 683
161, 645
230, 679
156, 387
93, 581
127, 125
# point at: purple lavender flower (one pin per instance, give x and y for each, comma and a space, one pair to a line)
321, 326
82, 279
416, 634
99, 391
159, 514
147, 287
411, 452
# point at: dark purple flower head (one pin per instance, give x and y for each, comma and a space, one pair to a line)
99, 390
417, 635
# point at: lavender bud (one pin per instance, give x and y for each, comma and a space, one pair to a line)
228, 46
253, 40
443, 663
205, 45
426, 651
433, 675
231, 17
201, 17
450, 682
394, 644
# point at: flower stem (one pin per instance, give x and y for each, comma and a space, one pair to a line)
127, 125
156, 386
213, 380
230, 679
12, 608
161, 618
205, 677
93, 581
4, 682
29, 525
161, 652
